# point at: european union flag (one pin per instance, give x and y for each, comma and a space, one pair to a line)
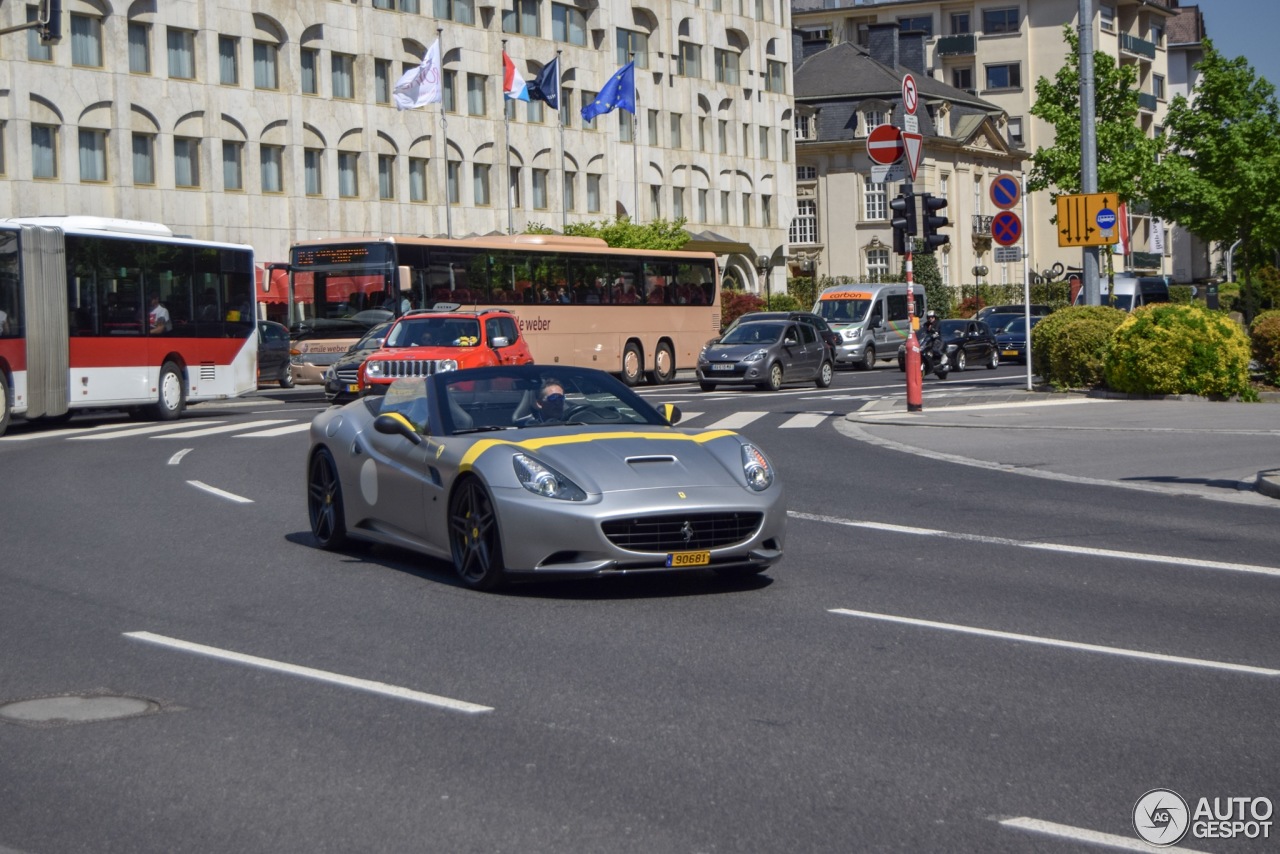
620, 91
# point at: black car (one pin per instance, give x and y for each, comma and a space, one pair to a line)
1036, 310
341, 383
828, 335
273, 354
967, 341
1013, 340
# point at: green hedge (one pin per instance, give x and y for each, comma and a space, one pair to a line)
1264, 334
1179, 349
1068, 348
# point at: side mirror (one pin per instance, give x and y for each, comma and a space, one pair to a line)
874, 324
395, 424
789, 341
671, 412
498, 342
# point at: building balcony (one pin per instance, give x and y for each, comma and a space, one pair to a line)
1147, 102
982, 224
1137, 47
965, 44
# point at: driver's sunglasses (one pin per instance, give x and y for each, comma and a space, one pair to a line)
553, 398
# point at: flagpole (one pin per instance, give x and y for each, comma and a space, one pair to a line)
635, 136
444, 131
506, 132
564, 208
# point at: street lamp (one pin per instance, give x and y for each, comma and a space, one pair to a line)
763, 264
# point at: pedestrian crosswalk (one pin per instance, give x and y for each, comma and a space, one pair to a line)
274, 428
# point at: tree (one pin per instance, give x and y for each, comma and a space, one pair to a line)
622, 232
1125, 153
926, 275
1221, 166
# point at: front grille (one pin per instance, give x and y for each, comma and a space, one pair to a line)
347, 375
399, 368
682, 532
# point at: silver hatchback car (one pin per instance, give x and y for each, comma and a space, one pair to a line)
766, 354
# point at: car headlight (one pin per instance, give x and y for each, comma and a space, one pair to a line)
443, 365
756, 356
373, 369
852, 334
330, 375
755, 465
542, 479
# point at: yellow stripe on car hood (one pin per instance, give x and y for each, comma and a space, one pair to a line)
473, 453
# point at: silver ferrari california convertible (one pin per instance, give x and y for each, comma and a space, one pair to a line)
540, 470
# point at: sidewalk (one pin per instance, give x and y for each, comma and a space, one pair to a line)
1182, 445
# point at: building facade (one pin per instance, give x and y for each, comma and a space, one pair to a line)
271, 121
996, 52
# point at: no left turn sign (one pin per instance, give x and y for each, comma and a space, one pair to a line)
910, 97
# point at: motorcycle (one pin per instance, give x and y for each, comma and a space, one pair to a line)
933, 357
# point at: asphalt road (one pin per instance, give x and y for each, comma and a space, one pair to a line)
948, 658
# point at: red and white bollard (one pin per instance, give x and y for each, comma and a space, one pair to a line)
915, 382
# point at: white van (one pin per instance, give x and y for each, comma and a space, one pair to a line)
871, 320
1131, 292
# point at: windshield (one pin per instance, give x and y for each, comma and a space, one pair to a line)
526, 396
1001, 322
843, 310
1017, 327
435, 332
762, 332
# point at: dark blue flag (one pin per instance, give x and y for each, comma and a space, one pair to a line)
546, 86
620, 91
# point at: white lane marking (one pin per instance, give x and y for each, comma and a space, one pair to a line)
277, 431
221, 493
1013, 405
177, 458
1079, 834
1062, 644
140, 431
805, 419
734, 421
62, 434
687, 416
1048, 547
226, 428
311, 673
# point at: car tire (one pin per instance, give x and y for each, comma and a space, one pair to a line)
632, 365
959, 363
707, 386
664, 365
4, 404
994, 361
868, 361
774, 383
473, 536
286, 376
172, 399
324, 501
825, 373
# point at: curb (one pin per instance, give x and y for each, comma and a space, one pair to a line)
1268, 483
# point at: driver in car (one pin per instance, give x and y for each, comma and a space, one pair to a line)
549, 405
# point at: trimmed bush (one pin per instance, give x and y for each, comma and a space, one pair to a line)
1179, 349
784, 302
1068, 347
1265, 336
734, 304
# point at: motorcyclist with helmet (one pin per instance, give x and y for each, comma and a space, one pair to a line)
933, 336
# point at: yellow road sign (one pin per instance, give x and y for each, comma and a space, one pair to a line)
1078, 223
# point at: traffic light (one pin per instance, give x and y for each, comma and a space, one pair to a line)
50, 18
903, 222
932, 222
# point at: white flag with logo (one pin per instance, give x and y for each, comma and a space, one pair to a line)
420, 86
1157, 235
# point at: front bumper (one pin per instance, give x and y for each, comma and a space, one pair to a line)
748, 373
571, 539
851, 352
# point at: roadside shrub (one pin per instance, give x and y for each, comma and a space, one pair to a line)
969, 306
1179, 349
804, 289
734, 304
784, 302
1068, 347
1264, 334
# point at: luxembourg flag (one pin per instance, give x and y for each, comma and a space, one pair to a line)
513, 85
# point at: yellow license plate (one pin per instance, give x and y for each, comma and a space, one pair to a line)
688, 558
1009, 353
352, 388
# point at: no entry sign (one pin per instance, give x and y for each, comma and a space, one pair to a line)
884, 144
